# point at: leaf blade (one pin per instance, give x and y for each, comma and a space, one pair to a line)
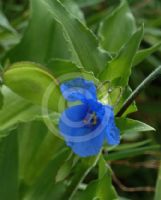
85, 49
9, 167
128, 126
32, 82
117, 28
142, 54
15, 110
119, 69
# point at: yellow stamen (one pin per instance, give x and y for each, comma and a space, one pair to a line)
91, 119
94, 119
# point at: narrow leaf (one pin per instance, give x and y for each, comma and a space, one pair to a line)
37, 147
142, 54
132, 152
117, 28
158, 186
82, 170
82, 42
104, 192
64, 170
45, 187
86, 3
128, 126
9, 168
41, 40
5, 23
119, 69
100, 188
15, 109
73, 8
1, 99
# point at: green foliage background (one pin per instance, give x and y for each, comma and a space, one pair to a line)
52, 39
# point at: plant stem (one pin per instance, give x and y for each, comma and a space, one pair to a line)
139, 89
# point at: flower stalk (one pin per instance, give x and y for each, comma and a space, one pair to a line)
138, 90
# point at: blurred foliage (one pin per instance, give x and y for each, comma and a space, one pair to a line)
133, 167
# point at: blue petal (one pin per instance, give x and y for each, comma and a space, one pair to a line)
112, 132
83, 139
88, 148
78, 89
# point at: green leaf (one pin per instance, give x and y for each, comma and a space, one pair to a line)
132, 152
82, 42
15, 109
45, 187
132, 108
5, 23
37, 147
142, 54
73, 8
32, 82
117, 28
9, 167
89, 193
128, 126
128, 146
158, 186
86, 3
115, 96
119, 69
64, 170
63, 67
81, 171
101, 188
64, 70
104, 192
1, 99
41, 41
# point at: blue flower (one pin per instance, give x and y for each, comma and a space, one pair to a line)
87, 125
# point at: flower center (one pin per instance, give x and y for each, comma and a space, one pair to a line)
90, 119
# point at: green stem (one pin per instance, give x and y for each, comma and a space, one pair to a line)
139, 89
